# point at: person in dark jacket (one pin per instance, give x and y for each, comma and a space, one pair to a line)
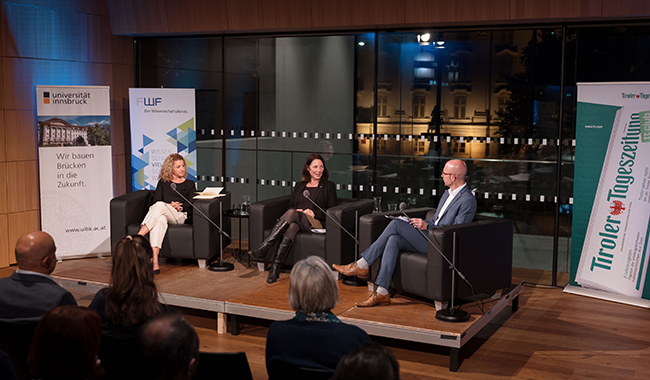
302, 215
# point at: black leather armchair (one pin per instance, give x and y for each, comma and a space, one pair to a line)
334, 246
483, 255
196, 240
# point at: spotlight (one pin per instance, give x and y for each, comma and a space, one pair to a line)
361, 43
424, 38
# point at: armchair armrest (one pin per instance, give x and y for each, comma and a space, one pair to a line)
340, 247
263, 215
483, 255
206, 236
372, 225
128, 209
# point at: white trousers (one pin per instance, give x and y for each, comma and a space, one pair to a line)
157, 219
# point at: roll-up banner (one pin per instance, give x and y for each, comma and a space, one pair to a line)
75, 167
611, 224
162, 122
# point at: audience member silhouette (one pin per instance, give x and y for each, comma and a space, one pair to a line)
368, 362
66, 345
169, 347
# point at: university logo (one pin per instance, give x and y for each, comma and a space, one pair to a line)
617, 208
46, 97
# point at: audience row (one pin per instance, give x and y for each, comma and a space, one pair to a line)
127, 333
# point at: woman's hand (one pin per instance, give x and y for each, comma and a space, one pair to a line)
419, 223
177, 205
308, 212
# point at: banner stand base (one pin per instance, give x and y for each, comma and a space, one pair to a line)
640, 302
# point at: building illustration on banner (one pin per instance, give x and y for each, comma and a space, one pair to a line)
73, 131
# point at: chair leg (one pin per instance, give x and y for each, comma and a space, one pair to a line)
202, 263
261, 267
497, 295
440, 305
372, 287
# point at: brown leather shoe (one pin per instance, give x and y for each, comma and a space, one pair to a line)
351, 270
375, 299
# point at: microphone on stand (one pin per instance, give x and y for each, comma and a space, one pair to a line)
221, 266
451, 314
354, 280
402, 207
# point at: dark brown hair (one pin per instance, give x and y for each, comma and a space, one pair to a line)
305, 173
66, 344
132, 297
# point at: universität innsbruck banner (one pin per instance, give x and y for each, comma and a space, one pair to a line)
75, 166
611, 224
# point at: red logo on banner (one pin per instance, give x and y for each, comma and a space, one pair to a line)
617, 208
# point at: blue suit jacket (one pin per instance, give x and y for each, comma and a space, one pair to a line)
26, 297
461, 210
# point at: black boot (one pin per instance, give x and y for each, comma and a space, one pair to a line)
260, 253
278, 258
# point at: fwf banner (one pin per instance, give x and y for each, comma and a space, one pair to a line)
611, 223
162, 122
75, 164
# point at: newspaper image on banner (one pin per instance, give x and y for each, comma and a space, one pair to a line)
614, 254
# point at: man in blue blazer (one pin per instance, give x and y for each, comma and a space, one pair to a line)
457, 205
31, 292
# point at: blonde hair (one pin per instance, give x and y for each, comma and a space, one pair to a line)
166, 173
312, 288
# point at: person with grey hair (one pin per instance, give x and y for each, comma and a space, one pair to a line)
169, 347
315, 337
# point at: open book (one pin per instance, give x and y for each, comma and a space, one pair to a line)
209, 193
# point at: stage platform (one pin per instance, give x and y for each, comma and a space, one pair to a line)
244, 292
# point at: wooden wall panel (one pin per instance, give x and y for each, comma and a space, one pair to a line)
339, 13
626, 8
4, 242
42, 33
117, 132
138, 17
22, 186
3, 148
122, 50
21, 223
20, 135
441, 11
555, 9
122, 80
119, 175
197, 15
245, 15
22, 75
286, 14
97, 7
3, 188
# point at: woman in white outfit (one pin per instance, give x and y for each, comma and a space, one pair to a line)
169, 206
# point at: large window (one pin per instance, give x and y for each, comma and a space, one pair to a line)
386, 112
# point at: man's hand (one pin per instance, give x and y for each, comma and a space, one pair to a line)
177, 206
419, 223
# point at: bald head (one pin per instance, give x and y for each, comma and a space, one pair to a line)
35, 251
454, 173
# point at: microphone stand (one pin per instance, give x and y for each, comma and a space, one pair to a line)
354, 280
451, 314
219, 266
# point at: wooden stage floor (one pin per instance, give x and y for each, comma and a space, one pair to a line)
244, 292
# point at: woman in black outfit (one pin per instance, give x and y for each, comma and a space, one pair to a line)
168, 206
302, 215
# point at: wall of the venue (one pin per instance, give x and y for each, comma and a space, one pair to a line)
52, 43
155, 17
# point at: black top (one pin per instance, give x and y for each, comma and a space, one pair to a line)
165, 193
312, 344
325, 198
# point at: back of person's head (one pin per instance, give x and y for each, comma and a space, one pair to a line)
36, 251
370, 361
66, 344
312, 288
132, 295
169, 347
